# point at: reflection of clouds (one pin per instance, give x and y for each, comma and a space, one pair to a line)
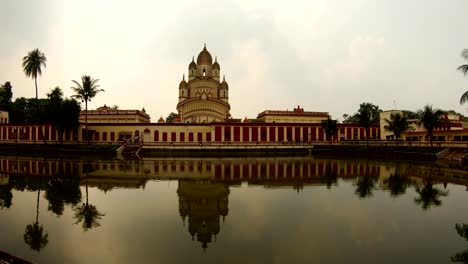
250, 218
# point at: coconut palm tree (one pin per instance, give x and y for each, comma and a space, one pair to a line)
330, 127
32, 67
85, 91
429, 118
464, 69
397, 124
32, 64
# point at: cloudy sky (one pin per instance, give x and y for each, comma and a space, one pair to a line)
323, 55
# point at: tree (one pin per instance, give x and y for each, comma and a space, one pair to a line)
397, 124
429, 118
367, 115
464, 69
115, 107
64, 114
171, 117
5, 93
86, 91
330, 127
32, 67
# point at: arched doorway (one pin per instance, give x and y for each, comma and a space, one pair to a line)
146, 135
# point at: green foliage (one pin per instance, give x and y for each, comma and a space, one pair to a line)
85, 91
6, 93
366, 111
429, 118
64, 114
464, 69
397, 124
171, 117
33, 62
32, 65
24, 110
330, 127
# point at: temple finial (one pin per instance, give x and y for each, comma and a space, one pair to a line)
204, 45
183, 77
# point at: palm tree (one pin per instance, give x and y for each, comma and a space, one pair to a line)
364, 120
464, 69
32, 64
86, 91
430, 119
397, 124
87, 213
330, 127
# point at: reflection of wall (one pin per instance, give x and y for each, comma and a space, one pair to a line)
4, 179
203, 203
269, 172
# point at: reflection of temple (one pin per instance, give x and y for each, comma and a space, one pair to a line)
203, 203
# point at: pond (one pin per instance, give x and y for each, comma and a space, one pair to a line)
234, 210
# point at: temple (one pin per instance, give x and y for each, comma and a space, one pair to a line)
203, 98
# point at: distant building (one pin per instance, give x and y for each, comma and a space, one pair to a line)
450, 128
4, 119
106, 114
298, 115
204, 98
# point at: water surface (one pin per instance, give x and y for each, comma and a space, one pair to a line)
255, 210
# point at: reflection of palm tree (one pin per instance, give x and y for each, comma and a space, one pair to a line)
365, 184
429, 195
462, 230
397, 184
34, 234
329, 178
87, 213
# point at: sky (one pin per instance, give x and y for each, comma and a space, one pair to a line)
324, 55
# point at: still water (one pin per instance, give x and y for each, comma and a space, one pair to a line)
239, 210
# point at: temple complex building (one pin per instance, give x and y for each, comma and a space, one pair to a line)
4, 117
106, 114
298, 115
203, 98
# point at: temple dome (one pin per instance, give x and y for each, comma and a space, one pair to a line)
224, 84
192, 65
204, 58
183, 84
216, 65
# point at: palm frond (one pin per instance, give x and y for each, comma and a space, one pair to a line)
463, 69
464, 98
465, 54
